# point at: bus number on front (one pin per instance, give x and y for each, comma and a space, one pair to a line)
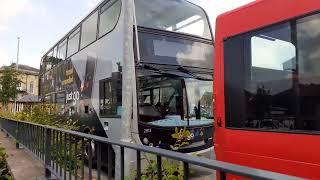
147, 131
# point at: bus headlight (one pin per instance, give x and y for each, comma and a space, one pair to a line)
145, 141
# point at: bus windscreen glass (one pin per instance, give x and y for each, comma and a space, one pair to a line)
172, 101
173, 15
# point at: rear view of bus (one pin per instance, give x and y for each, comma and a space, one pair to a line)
267, 86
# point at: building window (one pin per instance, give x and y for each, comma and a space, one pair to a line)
89, 30
31, 87
111, 95
73, 42
109, 15
272, 79
19, 87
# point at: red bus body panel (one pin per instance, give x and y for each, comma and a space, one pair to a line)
294, 154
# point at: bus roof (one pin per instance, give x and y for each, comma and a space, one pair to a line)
75, 27
261, 13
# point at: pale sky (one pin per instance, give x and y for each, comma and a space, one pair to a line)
41, 23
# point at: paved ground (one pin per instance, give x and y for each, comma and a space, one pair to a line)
21, 163
200, 173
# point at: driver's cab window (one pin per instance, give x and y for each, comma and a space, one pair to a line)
160, 97
111, 96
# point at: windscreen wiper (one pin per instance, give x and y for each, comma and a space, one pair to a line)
168, 72
150, 67
187, 71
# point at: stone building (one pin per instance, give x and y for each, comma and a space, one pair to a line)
28, 88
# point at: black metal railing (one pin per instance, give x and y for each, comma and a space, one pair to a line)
70, 154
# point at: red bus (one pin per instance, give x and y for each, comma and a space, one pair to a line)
267, 86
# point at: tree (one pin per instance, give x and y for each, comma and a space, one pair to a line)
8, 85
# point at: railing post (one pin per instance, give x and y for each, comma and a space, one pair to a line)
185, 171
17, 135
1, 121
47, 154
223, 175
138, 165
159, 163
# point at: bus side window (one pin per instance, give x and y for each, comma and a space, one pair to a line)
73, 42
109, 15
48, 61
89, 30
111, 96
62, 49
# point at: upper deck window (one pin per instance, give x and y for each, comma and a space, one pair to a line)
173, 15
48, 61
89, 30
73, 42
109, 15
55, 51
62, 49
272, 78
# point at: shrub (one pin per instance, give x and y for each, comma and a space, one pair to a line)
39, 115
4, 171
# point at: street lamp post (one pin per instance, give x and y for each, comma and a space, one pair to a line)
17, 68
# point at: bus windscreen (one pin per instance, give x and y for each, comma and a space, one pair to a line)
173, 15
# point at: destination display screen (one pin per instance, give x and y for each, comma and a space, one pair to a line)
162, 49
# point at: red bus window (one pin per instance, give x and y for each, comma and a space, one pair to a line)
274, 75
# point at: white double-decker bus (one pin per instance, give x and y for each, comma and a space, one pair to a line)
135, 71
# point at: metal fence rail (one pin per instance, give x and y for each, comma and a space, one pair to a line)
63, 153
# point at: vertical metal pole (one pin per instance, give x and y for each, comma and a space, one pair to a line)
17, 68
82, 158
90, 159
223, 175
43, 143
54, 158
122, 162
110, 161
17, 135
136, 33
39, 141
36, 136
186, 171
76, 158
60, 153
70, 156
159, 167
48, 153
28, 137
23, 136
65, 156
32, 138
138, 165
99, 160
